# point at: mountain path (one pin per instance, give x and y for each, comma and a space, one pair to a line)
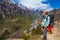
56, 33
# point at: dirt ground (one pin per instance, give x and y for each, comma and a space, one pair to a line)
56, 33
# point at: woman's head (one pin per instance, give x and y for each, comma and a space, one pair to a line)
45, 12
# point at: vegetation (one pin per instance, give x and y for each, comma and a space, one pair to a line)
37, 31
14, 19
18, 23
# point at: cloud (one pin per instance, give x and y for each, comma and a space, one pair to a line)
31, 3
35, 4
45, 6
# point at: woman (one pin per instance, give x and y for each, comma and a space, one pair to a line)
45, 23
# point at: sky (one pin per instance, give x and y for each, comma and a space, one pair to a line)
39, 4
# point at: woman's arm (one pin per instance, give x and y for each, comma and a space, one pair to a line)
41, 15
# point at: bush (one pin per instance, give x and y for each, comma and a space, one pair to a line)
4, 35
26, 36
37, 31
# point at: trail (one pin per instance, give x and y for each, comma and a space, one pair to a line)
56, 33
54, 36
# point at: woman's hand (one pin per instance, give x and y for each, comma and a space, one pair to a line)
43, 30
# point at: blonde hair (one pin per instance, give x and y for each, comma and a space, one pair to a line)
45, 12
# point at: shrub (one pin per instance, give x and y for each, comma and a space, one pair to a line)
37, 31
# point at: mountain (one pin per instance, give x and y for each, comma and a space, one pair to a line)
11, 10
8, 9
56, 13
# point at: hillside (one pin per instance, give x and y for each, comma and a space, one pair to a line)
14, 19
56, 13
11, 10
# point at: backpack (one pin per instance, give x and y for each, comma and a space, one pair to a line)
51, 20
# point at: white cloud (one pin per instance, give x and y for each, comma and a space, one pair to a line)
45, 6
35, 4
31, 3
